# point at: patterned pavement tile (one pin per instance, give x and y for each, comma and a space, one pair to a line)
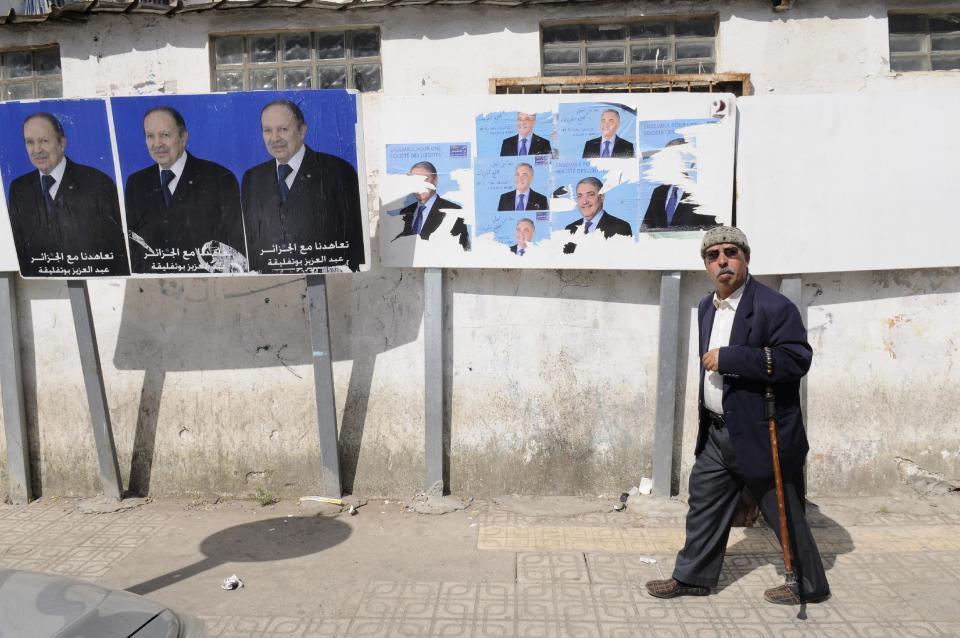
254, 627
496, 602
654, 630
326, 628
536, 601
494, 628
821, 613
615, 568
580, 630
57, 538
400, 600
452, 628
457, 601
934, 602
719, 629
575, 603
895, 630
802, 629
537, 629
388, 627
553, 567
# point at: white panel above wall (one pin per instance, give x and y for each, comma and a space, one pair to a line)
849, 182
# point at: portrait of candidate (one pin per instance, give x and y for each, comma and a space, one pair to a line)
523, 197
181, 202
299, 195
593, 217
670, 208
425, 215
64, 207
524, 232
525, 142
609, 144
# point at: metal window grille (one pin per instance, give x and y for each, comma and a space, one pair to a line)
924, 42
27, 74
663, 46
300, 60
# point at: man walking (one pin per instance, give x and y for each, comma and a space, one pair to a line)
738, 322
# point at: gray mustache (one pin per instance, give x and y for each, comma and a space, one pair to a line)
726, 270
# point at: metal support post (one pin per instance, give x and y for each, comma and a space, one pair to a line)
667, 351
791, 287
96, 393
14, 419
323, 384
433, 378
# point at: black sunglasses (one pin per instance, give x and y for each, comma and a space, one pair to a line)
730, 252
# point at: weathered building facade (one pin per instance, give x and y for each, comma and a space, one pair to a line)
209, 380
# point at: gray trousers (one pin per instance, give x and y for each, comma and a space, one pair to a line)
715, 485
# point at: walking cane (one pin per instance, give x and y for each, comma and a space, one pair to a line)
770, 402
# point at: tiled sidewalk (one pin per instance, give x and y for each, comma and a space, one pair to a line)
893, 573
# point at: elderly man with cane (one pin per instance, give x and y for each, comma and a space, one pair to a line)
752, 344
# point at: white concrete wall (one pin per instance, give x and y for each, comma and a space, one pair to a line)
552, 373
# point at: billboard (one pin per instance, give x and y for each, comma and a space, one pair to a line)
266, 182
618, 181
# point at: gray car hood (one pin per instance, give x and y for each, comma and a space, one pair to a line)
34, 605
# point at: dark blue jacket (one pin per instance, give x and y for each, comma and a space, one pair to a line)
764, 318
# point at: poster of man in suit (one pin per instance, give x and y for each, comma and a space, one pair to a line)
183, 211
300, 194
64, 209
200, 220
595, 219
525, 141
592, 130
432, 205
669, 177
523, 197
510, 133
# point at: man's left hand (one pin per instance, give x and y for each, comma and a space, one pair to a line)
711, 360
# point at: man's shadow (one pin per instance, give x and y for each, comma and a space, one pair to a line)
743, 557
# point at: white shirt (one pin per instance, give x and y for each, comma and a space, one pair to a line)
57, 174
720, 338
177, 169
294, 163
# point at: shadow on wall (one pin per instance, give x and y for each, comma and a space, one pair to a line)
172, 325
195, 324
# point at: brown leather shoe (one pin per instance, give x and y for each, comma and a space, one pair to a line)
671, 588
785, 595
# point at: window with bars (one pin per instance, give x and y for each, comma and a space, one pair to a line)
924, 42
646, 47
304, 60
26, 74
